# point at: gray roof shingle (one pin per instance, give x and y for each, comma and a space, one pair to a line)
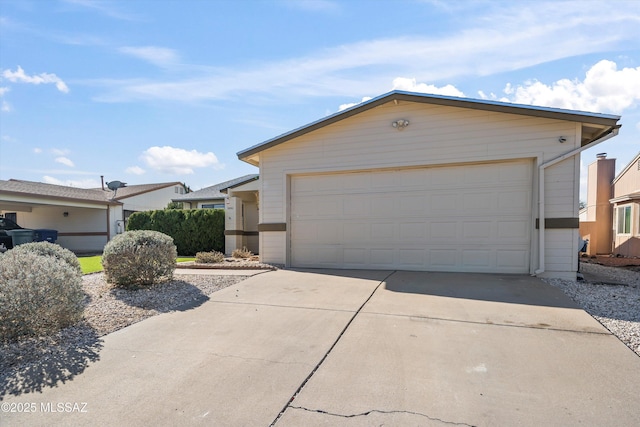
214, 191
31, 188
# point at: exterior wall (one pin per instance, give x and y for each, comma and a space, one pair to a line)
436, 135
158, 199
81, 230
628, 182
628, 244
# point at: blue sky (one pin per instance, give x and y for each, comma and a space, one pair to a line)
166, 90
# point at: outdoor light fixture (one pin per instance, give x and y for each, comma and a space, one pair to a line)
562, 139
65, 213
400, 124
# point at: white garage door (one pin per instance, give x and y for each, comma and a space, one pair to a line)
474, 218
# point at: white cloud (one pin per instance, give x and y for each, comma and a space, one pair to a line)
345, 106
603, 89
159, 56
82, 183
410, 85
65, 161
135, 170
37, 150
19, 76
177, 161
5, 107
59, 151
3, 90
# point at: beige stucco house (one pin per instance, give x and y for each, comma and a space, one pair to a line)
626, 210
86, 219
611, 218
423, 182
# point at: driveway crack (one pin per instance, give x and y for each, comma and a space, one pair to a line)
380, 411
313, 371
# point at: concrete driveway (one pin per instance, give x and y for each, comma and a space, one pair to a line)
355, 348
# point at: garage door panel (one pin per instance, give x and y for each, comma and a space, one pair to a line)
478, 259
512, 260
477, 230
443, 203
462, 218
413, 231
356, 206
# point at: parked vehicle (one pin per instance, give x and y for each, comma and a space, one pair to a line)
5, 225
12, 234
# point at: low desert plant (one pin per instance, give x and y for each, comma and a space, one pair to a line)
139, 258
212, 257
241, 253
39, 294
51, 249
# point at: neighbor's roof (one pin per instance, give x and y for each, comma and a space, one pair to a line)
626, 168
134, 190
609, 121
53, 191
215, 191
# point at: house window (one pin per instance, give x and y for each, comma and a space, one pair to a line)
213, 206
624, 220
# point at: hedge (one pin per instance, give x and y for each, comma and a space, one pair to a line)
193, 230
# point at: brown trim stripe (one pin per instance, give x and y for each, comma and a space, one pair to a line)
550, 223
277, 226
240, 233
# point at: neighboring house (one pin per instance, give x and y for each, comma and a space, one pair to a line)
147, 197
611, 219
86, 219
212, 197
596, 216
239, 198
424, 182
626, 210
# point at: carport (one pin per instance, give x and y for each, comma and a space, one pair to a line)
84, 218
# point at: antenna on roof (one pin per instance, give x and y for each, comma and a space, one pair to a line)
114, 185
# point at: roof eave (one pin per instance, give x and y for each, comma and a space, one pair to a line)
61, 198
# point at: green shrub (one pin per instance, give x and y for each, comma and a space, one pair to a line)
212, 257
139, 258
193, 231
242, 253
39, 294
51, 249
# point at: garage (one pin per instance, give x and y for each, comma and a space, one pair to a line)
458, 218
412, 181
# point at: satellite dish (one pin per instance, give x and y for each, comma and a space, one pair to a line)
114, 185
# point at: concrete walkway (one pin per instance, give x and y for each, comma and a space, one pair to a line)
355, 348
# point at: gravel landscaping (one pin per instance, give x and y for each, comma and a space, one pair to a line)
614, 301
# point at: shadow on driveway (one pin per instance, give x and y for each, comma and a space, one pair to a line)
504, 288
50, 362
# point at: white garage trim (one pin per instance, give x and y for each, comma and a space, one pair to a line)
474, 217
